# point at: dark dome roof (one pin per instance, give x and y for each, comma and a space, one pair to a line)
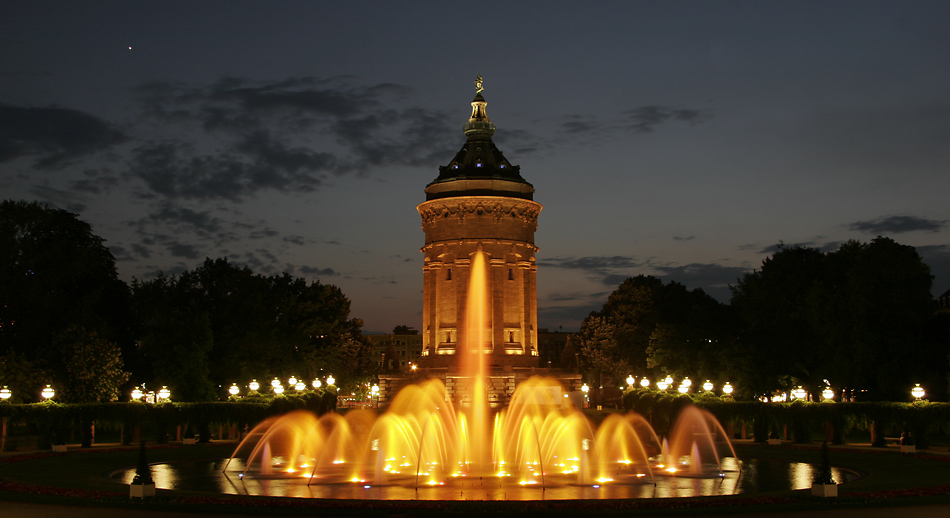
479, 168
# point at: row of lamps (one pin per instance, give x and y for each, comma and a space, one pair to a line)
278, 387
684, 385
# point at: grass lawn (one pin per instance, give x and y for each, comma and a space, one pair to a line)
80, 475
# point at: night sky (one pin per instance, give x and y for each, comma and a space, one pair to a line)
678, 139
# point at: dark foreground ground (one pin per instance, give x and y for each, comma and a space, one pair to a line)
40, 484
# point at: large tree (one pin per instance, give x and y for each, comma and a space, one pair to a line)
660, 329
257, 326
856, 316
55, 273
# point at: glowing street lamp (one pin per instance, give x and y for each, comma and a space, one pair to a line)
274, 382
686, 382
292, 381
330, 380
5, 393
316, 383
662, 385
234, 389
164, 394
708, 386
644, 382
727, 389
585, 389
683, 389
48, 393
630, 380
828, 394
278, 388
799, 393
300, 386
254, 385
137, 394
917, 391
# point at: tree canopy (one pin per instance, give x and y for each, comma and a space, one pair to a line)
55, 273
220, 323
856, 316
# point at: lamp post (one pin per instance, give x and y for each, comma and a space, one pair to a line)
137, 394
585, 389
48, 393
164, 394
316, 383
300, 386
708, 386
828, 394
5, 393
330, 380
375, 391
254, 385
917, 392
644, 382
234, 390
727, 389
799, 393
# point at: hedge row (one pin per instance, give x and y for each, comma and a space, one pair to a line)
802, 421
54, 422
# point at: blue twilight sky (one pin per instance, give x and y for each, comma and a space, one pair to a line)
682, 139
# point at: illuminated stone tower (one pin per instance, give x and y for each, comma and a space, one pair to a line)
480, 202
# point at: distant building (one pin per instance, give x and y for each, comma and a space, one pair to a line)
943, 303
406, 343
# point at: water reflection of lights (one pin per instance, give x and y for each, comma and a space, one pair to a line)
757, 475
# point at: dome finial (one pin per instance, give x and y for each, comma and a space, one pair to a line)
478, 85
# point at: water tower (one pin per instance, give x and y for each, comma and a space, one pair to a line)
479, 203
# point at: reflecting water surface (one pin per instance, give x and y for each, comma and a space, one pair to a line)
749, 476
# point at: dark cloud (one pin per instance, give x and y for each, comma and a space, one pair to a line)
289, 136
183, 250
681, 238
318, 272
295, 240
898, 225
602, 269
570, 317
53, 136
141, 251
264, 233
591, 263
95, 182
168, 213
644, 119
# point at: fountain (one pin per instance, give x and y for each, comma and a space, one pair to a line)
425, 439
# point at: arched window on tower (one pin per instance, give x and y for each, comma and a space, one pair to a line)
448, 274
511, 274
